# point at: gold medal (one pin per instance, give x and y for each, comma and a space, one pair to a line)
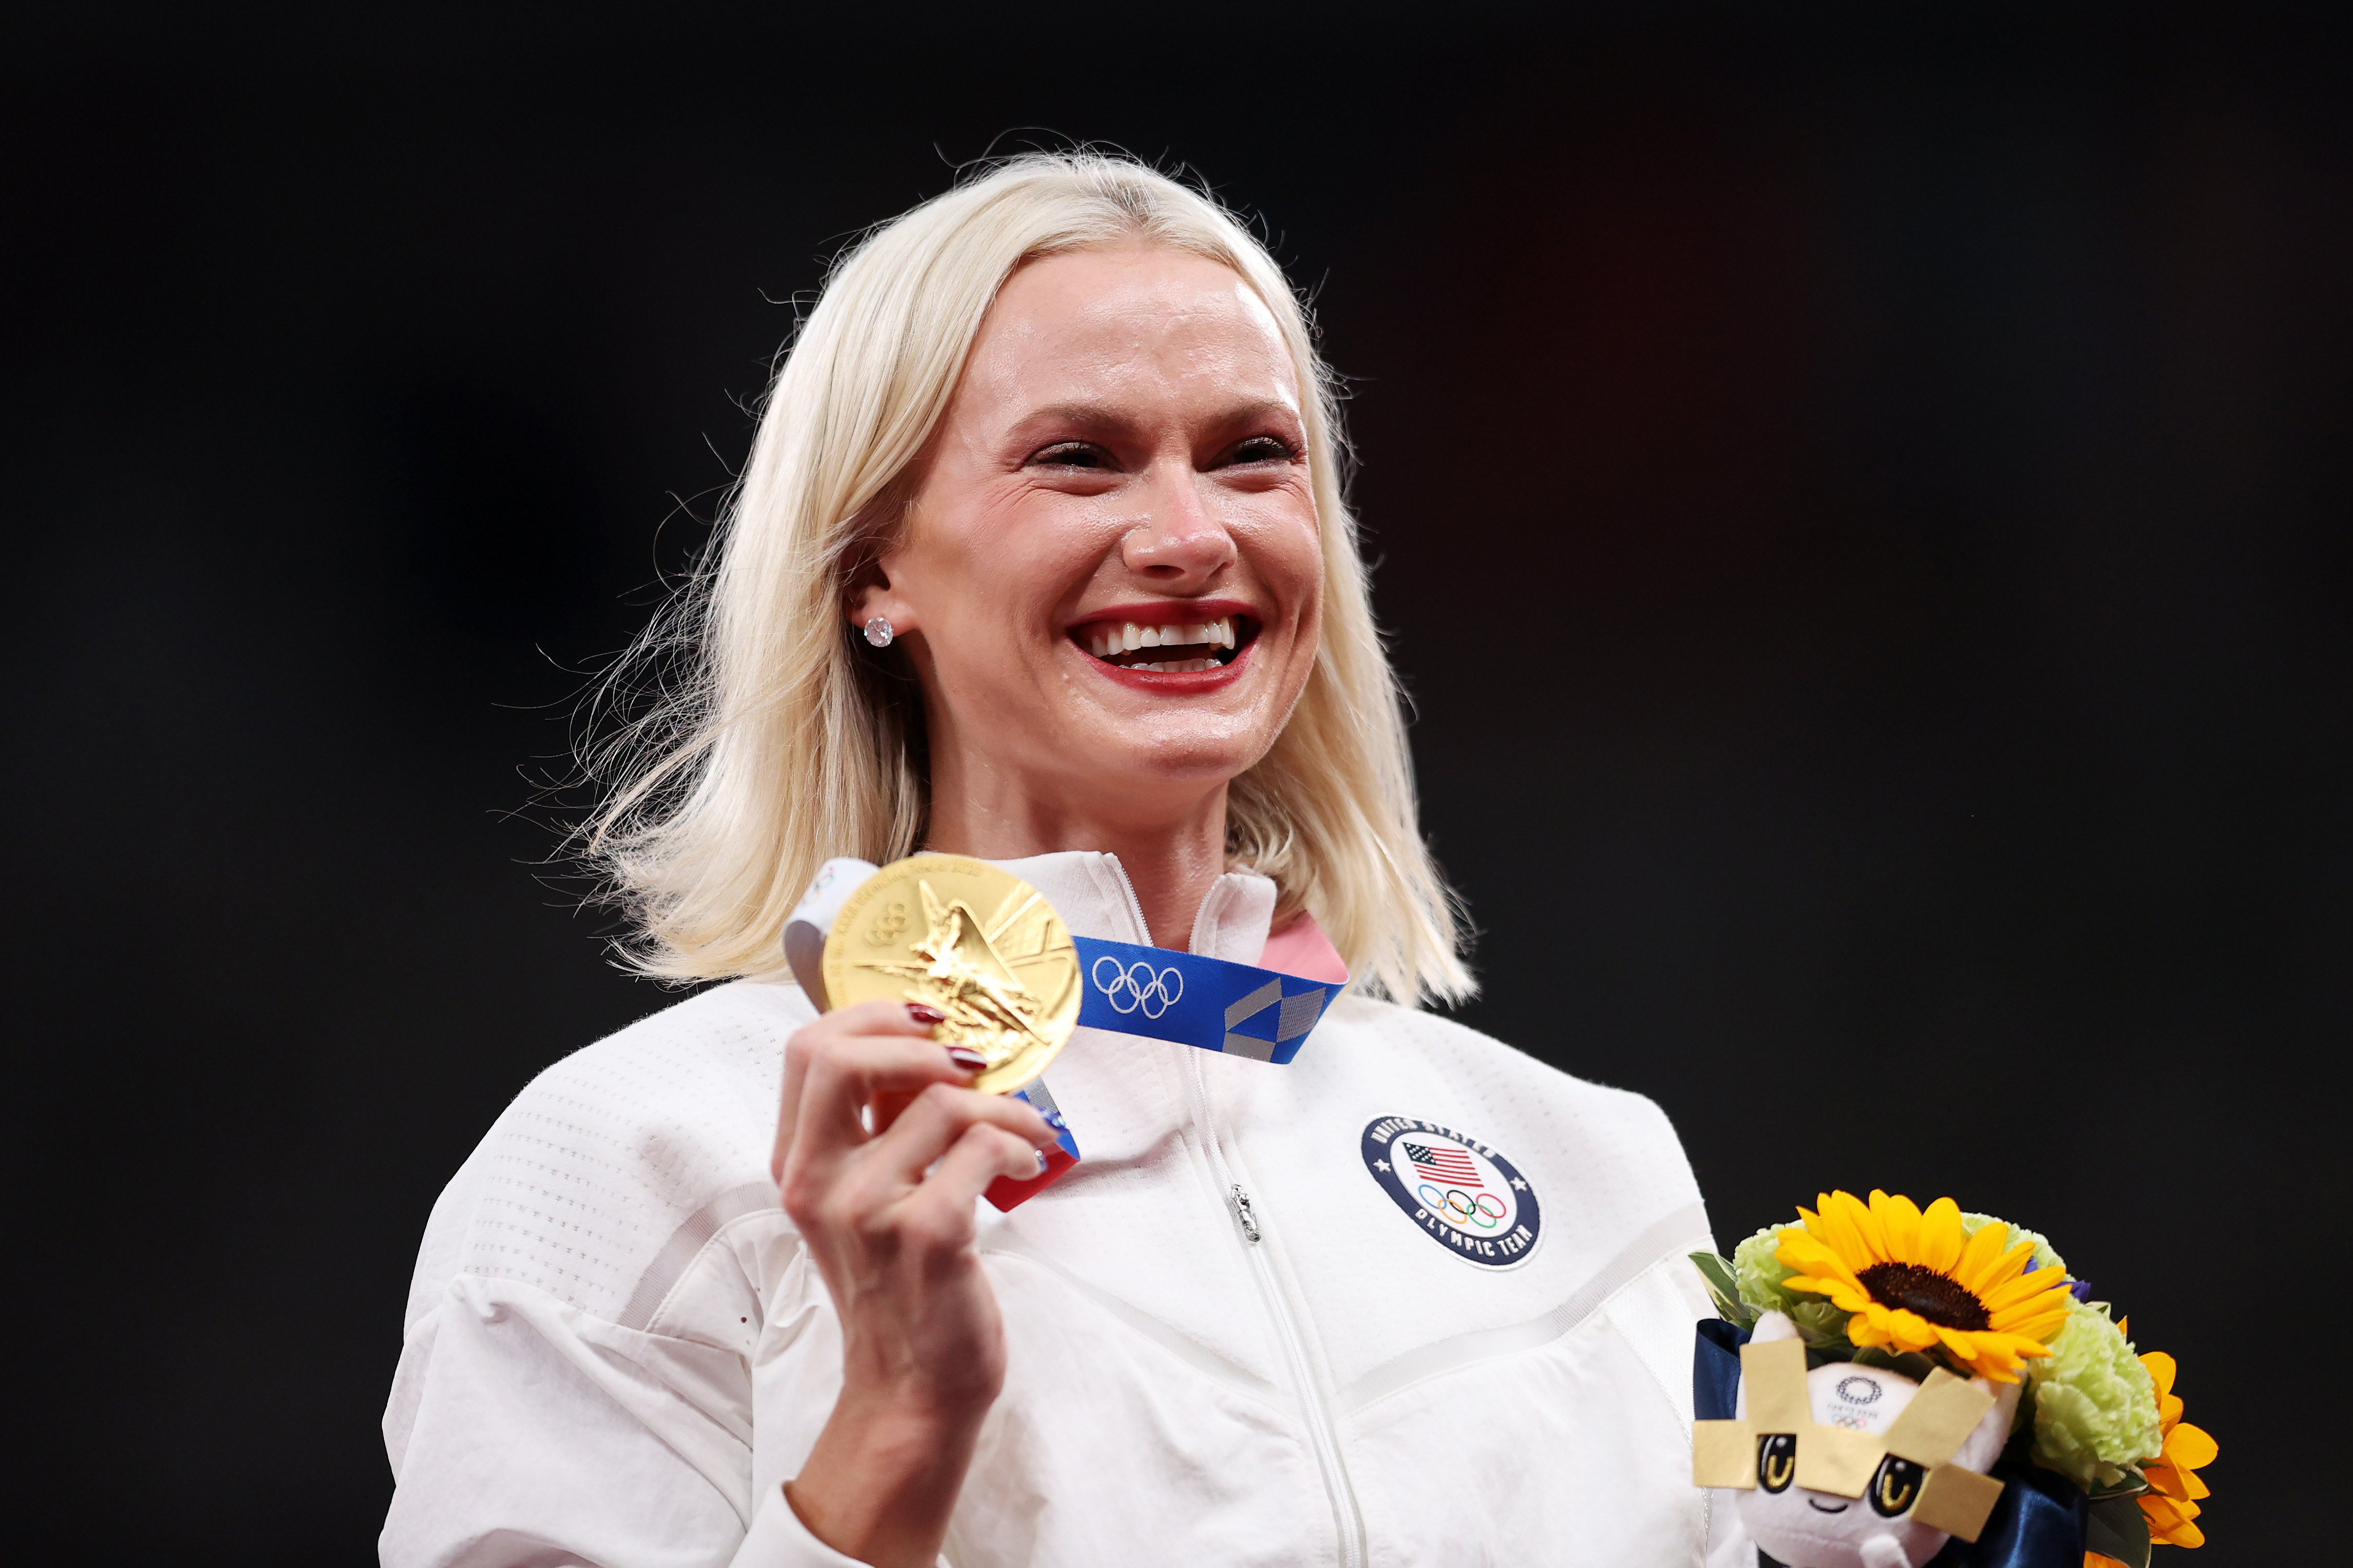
980, 945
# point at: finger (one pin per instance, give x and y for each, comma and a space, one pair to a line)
981, 1154
868, 1019
936, 1120
843, 1072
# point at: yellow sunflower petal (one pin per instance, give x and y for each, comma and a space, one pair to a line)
2037, 1329
1910, 1330
2018, 1260
2161, 1368
1846, 1227
2190, 1447
2025, 1287
1940, 1236
1814, 1260
2170, 1523
1978, 1257
1899, 1222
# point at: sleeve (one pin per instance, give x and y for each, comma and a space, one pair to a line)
524, 1431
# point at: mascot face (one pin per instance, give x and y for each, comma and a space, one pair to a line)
1822, 1530
1805, 1529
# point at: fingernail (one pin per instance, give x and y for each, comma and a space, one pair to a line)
965, 1058
1041, 1163
1054, 1118
926, 1014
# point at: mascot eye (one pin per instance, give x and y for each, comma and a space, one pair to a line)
1895, 1486
1777, 1461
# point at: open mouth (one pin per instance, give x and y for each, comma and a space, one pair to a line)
1174, 649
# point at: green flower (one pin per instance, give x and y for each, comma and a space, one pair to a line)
2095, 1404
1760, 1275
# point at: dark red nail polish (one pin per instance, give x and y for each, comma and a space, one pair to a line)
965, 1058
926, 1014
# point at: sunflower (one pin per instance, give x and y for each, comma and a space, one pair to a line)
2172, 1502
1915, 1282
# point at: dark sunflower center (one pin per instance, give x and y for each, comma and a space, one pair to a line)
1927, 1292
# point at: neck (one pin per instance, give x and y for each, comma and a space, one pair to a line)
1171, 856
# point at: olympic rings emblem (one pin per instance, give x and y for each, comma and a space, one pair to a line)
1460, 1209
1136, 985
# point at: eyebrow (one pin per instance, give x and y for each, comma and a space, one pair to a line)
1105, 416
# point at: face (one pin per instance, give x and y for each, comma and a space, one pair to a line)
1109, 581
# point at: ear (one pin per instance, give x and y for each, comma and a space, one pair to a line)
1986, 1441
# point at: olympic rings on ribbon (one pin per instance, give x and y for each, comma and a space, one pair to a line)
1138, 985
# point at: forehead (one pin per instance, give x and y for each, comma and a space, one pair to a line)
1128, 319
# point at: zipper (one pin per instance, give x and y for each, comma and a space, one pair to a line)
1244, 1213
1343, 1497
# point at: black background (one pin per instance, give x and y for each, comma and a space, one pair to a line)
1862, 513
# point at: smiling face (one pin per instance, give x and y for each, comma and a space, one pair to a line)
1110, 581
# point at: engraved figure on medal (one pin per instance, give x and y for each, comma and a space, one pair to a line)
1008, 982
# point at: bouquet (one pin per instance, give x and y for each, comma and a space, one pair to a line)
1926, 1375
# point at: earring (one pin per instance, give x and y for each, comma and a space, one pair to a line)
878, 631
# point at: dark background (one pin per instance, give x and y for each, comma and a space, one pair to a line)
1862, 512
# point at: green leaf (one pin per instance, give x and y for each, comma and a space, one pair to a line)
2119, 1529
1716, 1273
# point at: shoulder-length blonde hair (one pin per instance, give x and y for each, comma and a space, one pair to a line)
790, 742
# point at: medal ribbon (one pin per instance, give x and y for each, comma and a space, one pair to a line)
1236, 1008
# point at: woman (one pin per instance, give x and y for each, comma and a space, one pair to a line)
1042, 558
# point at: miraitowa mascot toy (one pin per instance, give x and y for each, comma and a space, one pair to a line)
1851, 1466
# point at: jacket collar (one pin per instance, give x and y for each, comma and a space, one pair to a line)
1091, 893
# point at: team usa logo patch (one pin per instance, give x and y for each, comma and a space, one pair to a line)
1468, 1197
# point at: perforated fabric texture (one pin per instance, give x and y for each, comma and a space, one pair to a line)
586, 1176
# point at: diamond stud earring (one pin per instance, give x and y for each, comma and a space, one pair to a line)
878, 631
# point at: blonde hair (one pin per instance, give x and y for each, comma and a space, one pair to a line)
786, 745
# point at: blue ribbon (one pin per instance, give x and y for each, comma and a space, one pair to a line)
1236, 1008
2039, 1520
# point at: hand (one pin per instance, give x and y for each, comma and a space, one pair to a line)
880, 1154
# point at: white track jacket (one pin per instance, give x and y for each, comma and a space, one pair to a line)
1415, 1299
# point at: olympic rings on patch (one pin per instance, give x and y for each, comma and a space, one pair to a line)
1460, 1209
1138, 985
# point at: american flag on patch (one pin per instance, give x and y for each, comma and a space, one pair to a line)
1449, 1167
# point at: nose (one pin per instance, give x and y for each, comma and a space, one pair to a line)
1182, 545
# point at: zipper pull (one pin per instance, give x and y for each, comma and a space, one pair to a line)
1243, 1211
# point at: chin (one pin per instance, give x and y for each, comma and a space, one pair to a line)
1188, 749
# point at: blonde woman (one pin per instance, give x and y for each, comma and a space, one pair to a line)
1041, 557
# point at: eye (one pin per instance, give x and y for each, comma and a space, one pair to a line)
1895, 1486
1073, 455
1263, 449
1777, 1460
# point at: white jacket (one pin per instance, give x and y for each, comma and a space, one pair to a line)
617, 1351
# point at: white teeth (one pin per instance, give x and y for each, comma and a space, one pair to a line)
1110, 642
